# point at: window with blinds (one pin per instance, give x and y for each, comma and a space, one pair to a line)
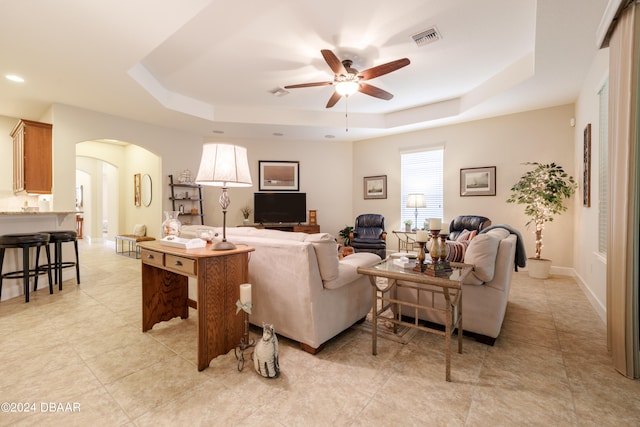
603, 168
422, 174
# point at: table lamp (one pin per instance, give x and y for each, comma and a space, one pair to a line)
416, 201
224, 165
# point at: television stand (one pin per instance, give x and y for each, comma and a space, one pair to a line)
301, 228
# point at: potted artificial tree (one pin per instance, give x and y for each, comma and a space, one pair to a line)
542, 191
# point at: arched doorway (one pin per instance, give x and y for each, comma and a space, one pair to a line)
106, 170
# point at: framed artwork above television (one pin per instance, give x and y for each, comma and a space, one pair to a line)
279, 175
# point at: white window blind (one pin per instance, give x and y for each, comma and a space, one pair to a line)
422, 173
603, 168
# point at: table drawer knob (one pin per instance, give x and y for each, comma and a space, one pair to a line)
149, 256
179, 263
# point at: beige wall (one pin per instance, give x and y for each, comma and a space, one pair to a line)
331, 172
325, 175
505, 142
590, 266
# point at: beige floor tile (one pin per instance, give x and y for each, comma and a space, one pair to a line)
146, 389
84, 344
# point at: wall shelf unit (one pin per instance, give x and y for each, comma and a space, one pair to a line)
189, 196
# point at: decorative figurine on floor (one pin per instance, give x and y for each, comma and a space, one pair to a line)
265, 355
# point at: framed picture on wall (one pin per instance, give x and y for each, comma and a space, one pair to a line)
279, 175
586, 169
478, 181
137, 191
375, 187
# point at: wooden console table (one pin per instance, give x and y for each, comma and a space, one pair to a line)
299, 228
165, 293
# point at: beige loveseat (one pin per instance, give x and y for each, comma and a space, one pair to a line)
299, 285
485, 291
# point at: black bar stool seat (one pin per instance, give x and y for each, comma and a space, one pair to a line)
25, 241
57, 238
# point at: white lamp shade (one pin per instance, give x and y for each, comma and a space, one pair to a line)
224, 165
347, 88
416, 201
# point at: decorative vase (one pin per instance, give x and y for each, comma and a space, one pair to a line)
171, 225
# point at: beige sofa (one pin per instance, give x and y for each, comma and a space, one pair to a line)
299, 285
485, 291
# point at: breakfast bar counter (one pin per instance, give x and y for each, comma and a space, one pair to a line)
12, 222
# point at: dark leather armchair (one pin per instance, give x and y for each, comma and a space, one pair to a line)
467, 222
368, 235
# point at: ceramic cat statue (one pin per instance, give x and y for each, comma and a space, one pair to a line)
265, 355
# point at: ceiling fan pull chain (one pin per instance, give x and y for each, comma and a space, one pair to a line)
346, 113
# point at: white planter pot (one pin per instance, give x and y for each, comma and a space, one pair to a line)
538, 268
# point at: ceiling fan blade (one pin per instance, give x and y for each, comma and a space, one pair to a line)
334, 63
334, 98
374, 91
383, 69
309, 85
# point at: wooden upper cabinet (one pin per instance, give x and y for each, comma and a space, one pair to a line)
32, 159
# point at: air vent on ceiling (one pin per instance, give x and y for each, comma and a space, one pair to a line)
427, 36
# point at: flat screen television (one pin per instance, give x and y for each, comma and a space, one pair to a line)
276, 208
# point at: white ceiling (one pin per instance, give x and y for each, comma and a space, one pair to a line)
209, 66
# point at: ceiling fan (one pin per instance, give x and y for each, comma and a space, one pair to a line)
348, 80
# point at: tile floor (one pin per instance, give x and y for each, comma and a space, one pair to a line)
83, 346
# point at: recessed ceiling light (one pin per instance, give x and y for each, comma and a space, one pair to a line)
329, 136
14, 78
278, 134
218, 131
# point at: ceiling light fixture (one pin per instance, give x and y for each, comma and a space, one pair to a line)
14, 78
347, 88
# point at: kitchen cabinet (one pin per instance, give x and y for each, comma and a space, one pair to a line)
32, 166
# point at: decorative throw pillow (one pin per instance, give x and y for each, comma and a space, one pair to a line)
139, 230
482, 252
456, 250
464, 235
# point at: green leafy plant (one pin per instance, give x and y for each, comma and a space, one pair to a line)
246, 211
542, 191
345, 233
408, 222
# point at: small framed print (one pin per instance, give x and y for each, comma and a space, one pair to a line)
279, 175
375, 187
137, 192
478, 181
586, 169
312, 217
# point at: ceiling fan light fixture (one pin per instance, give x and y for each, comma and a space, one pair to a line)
347, 88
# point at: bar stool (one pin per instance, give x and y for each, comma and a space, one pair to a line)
57, 238
26, 241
